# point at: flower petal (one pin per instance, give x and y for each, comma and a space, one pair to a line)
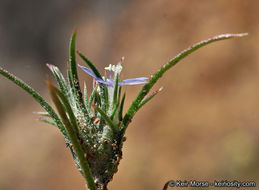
88, 71
107, 82
139, 78
134, 81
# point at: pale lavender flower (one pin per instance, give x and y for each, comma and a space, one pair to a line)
110, 82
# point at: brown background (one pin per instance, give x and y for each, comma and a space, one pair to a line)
204, 125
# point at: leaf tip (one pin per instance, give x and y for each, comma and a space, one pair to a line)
226, 36
242, 34
74, 31
160, 89
157, 91
50, 66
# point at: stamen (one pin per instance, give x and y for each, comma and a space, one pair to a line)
109, 68
118, 68
113, 68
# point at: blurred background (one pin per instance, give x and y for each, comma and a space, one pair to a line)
204, 125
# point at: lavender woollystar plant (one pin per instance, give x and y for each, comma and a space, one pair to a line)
95, 136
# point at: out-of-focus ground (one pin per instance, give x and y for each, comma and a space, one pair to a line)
204, 125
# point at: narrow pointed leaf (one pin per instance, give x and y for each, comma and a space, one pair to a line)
58, 104
59, 78
69, 78
149, 97
97, 99
73, 68
106, 118
119, 95
69, 111
115, 109
134, 106
73, 137
45, 114
115, 92
76, 95
48, 121
85, 96
106, 96
72, 56
121, 107
91, 98
37, 97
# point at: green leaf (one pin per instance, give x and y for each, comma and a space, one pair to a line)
48, 121
73, 68
91, 98
115, 92
144, 91
97, 99
85, 96
119, 95
149, 97
72, 136
72, 56
75, 96
69, 78
115, 109
106, 96
58, 104
45, 114
68, 110
106, 118
37, 97
60, 78
121, 107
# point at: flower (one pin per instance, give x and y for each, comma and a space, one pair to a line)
116, 69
